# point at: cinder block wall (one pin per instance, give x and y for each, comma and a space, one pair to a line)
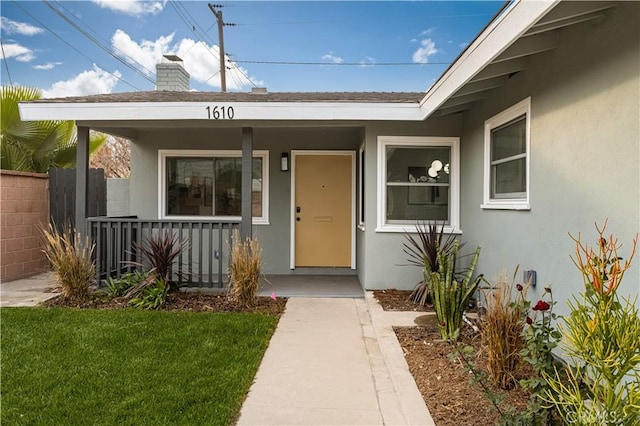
24, 208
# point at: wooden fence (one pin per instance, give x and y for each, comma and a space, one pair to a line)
62, 195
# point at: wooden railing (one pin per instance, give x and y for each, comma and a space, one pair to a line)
202, 264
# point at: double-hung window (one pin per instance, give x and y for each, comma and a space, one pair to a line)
418, 180
208, 185
506, 157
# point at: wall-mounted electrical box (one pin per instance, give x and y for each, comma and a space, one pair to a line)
529, 277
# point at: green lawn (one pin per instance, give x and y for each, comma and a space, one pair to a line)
73, 367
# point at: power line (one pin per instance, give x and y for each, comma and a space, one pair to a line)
129, 58
68, 44
341, 63
6, 64
102, 46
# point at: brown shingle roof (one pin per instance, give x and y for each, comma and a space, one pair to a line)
168, 96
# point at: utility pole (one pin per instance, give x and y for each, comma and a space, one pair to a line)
223, 67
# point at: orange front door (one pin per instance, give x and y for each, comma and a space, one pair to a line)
323, 215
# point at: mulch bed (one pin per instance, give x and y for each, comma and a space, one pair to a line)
447, 386
182, 301
398, 300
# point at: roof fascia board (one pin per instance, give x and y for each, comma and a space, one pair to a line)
136, 111
495, 39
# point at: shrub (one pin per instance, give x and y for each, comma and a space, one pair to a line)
502, 327
70, 258
118, 287
451, 291
540, 339
422, 251
602, 340
151, 296
160, 251
245, 270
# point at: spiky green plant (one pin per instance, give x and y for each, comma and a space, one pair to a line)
602, 341
70, 257
451, 292
36, 146
422, 251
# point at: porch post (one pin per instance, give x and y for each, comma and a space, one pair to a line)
82, 179
247, 172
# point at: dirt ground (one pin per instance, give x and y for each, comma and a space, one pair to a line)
446, 385
185, 301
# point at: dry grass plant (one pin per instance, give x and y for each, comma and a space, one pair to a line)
245, 270
70, 257
502, 332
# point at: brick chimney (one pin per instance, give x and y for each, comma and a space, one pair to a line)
171, 75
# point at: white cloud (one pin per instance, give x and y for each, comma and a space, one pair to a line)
368, 61
22, 28
427, 32
463, 45
91, 82
428, 48
147, 53
47, 66
19, 52
332, 58
133, 7
200, 60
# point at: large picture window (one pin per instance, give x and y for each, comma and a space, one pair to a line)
208, 184
506, 177
417, 181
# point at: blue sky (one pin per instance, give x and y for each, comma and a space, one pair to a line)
42, 49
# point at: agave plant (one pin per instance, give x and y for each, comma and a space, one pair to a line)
422, 251
36, 146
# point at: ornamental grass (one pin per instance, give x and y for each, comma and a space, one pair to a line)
245, 270
502, 332
70, 257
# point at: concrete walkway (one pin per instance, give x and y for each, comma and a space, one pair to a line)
335, 362
27, 291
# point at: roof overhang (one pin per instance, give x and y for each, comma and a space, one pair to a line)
523, 29
144, 111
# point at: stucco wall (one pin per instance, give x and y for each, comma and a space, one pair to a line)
24, 208
384, 250
117, 197
275, 237
584, 155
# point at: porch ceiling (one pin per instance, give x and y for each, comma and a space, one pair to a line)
543, 35
134, 129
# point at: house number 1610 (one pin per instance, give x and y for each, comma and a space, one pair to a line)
220, 113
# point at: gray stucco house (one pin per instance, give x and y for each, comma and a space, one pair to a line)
533, 132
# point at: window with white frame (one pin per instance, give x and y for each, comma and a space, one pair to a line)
506, 158
208, 184
418, 180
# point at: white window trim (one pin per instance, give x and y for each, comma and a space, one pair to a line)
521, 108
454, 187
361, 182
162, 184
